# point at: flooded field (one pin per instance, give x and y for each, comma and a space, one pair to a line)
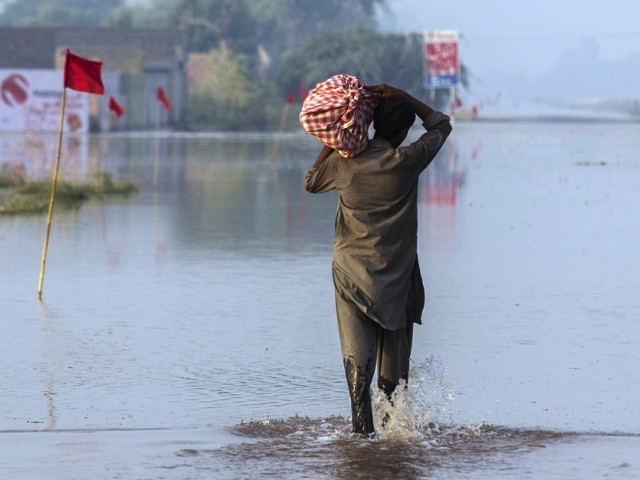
188, 331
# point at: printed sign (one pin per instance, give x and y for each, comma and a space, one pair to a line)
441, 59
33, 155
31, 100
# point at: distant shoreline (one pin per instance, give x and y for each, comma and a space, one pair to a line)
548, 119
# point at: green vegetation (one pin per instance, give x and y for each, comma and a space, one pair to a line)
60, 13
257, 51
20, 204
227, 98
393, 60
33, 196
100, 183
5, 182
68, 192
11, 175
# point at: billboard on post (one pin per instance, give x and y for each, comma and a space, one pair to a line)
441, 59
30, 101
30, 106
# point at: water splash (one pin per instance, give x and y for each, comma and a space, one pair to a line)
417, 407
416, 436
413, 444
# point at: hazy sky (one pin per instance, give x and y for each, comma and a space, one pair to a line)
513, 38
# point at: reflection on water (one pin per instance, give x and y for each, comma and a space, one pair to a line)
203, 304
300, 447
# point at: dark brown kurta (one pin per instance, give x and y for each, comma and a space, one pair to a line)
375, 245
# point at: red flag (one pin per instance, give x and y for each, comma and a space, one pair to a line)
291, 99
82, 75
162, 99
115, 107
303, 93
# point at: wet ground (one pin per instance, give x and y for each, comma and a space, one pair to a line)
188, 331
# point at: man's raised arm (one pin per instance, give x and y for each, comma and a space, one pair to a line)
421, 109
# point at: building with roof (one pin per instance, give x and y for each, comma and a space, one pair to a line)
135, 63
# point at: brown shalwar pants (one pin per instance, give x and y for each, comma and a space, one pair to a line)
365, 344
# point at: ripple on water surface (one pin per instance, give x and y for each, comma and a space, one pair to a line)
300, 447
416, 439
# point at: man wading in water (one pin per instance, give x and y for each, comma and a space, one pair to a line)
378, 287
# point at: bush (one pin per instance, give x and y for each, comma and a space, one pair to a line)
23, 204
228, 97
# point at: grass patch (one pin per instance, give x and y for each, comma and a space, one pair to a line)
22, 204
102, 184
33, 196
65, 191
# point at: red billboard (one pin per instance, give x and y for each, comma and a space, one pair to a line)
441, 59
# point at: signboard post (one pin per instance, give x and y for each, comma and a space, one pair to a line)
30, 102
441, 61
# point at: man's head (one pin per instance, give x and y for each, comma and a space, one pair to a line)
392, 120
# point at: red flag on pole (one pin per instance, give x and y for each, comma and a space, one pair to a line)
303, 93
115, 107
162, 99
82, 75
291, 99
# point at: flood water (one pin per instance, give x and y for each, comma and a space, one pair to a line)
188, 331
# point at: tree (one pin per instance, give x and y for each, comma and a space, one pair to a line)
370, 56
227, 96
284, 25
216, 24
289, 23
81, 13
261, 48
154, 15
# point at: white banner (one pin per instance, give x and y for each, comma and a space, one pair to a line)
30, 101
33, 155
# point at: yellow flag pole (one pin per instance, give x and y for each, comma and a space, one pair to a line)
53, 195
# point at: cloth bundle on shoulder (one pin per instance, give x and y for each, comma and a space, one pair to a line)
338, 112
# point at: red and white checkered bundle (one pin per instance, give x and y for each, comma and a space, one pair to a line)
338, 112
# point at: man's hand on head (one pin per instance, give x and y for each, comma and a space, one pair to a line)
384, 90
322, 156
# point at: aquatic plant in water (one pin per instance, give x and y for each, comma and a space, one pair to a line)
33, 196
22, 204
